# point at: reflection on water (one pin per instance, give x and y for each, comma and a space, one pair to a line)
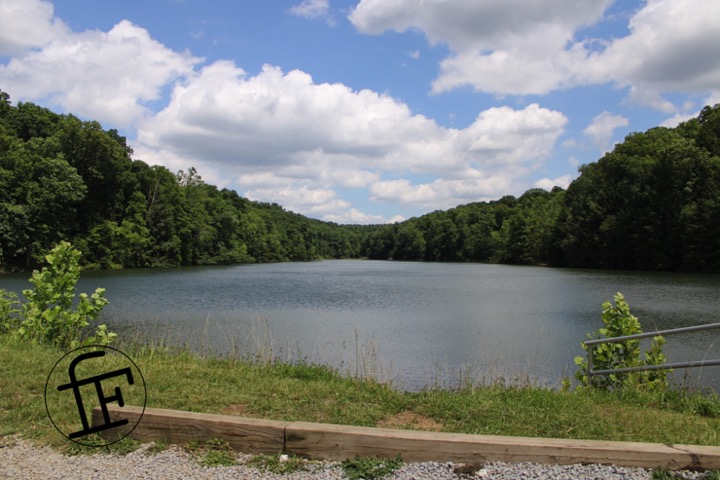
419, 323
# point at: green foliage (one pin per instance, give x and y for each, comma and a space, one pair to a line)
51, 313
279, 464
123, 446
619, 322
667, 475
215, 452
10, 311
369, 468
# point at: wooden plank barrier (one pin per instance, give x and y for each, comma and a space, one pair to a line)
339, 442
246, 435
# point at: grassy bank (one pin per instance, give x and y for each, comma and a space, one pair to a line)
185, 381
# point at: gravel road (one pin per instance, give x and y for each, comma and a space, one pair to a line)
20, 459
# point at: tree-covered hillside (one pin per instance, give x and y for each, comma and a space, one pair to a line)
653, 203
65, 179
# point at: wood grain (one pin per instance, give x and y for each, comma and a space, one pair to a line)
243, 434
339, 442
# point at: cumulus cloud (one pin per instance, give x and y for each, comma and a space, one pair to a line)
495, 44
602, 128
27, 24
518, 47
506, 136
301, 199
277, 118
101, 75
672, 46
550, 183
442, 193
282, 137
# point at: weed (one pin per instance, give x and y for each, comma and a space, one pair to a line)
666, 475
213, 453
662, 475
278, 464
369, 468
121, 447
158, 446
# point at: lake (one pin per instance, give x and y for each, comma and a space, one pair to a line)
417, 324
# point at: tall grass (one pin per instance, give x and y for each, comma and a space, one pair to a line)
182, 379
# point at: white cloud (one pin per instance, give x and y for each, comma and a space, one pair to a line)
442, 193
677, 119
713, 98
279, 136
602, 128
524, 47
313, 9
506, 136
278, 120
300, 198
672, 46
27, 24
357, 217
277, 133
550, 183
103, 76
495, 44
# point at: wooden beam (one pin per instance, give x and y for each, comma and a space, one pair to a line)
339, 442
247, 435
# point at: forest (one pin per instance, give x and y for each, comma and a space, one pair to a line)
653, 203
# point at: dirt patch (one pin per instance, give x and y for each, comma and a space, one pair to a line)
410, 421
237, 409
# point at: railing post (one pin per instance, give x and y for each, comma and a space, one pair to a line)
590, 364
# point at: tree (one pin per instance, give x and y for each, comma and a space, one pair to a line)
39, 197
708, 134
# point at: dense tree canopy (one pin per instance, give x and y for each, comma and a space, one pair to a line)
65, 179
652, 203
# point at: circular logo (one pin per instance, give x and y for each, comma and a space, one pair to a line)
86, 391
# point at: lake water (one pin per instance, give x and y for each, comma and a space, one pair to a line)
417, 324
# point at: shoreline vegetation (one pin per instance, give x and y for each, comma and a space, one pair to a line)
272, 389
652, 203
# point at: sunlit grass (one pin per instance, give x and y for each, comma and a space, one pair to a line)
184, 380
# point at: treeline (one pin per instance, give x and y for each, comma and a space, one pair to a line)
653, 203
65, 179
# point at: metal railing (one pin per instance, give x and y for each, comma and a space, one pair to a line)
665, 366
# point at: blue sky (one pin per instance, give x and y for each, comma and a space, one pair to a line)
367, 111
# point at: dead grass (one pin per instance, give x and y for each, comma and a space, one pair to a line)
410, 421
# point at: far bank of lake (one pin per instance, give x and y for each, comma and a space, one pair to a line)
419, 324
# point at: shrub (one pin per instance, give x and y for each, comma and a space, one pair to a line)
51, 314
619, 322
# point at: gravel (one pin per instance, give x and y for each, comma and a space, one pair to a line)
20, 459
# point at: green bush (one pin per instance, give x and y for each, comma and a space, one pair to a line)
619, 322
51, 314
